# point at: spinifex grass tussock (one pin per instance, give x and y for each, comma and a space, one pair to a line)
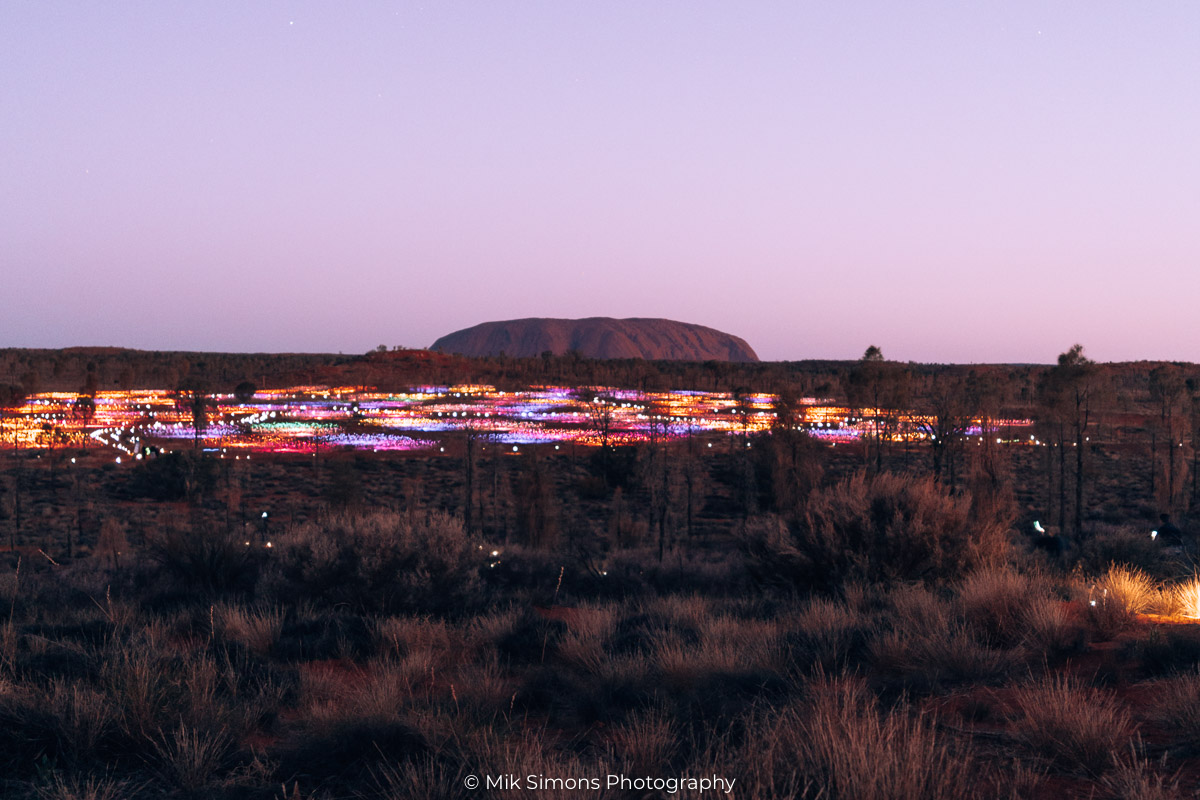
191, 758
848, 747
1071, 726
727, 645
583, 644
824, 635
256, 629
1051, 629
925, 644
89, 721
1177, 708
1136, 778
1182, 599
63, 786
644, 743
993, 600
1117, 597
403, 634
382, 562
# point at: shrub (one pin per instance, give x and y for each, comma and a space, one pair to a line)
1130, 546
380, 562
173, 476
884, 529
211, 560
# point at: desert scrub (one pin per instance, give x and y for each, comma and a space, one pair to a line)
841, 745
378, 563
1126, 545
883, 529
1071, 726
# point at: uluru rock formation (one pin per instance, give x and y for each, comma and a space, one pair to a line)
598, 337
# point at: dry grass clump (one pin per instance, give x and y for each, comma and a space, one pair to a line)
994, 600
402, 635
1182, 599
62, 786
485, 630
1115, 600
927, 645
583, 645
1135, 778
847, 747
1071, 726
189, 758
644, 743
1050, 628
825, 636
727, 646
532, 753
257, 630
86, 718
1177, 707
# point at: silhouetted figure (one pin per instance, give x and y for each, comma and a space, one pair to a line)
1054, 546
1169, 534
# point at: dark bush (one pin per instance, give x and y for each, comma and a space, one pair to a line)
380, 562
173, 476
207, 559
883, 530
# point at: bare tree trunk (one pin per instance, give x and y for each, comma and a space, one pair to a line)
1062, 479
1079, 447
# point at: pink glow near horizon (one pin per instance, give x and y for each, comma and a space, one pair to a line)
949, 182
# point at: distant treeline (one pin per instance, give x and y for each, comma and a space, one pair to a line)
89, 369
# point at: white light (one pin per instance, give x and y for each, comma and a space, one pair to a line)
1093, 602
1153, 535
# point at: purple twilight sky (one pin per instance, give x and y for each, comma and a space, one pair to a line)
963, 181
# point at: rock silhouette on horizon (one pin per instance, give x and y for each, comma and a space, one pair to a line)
598, 337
